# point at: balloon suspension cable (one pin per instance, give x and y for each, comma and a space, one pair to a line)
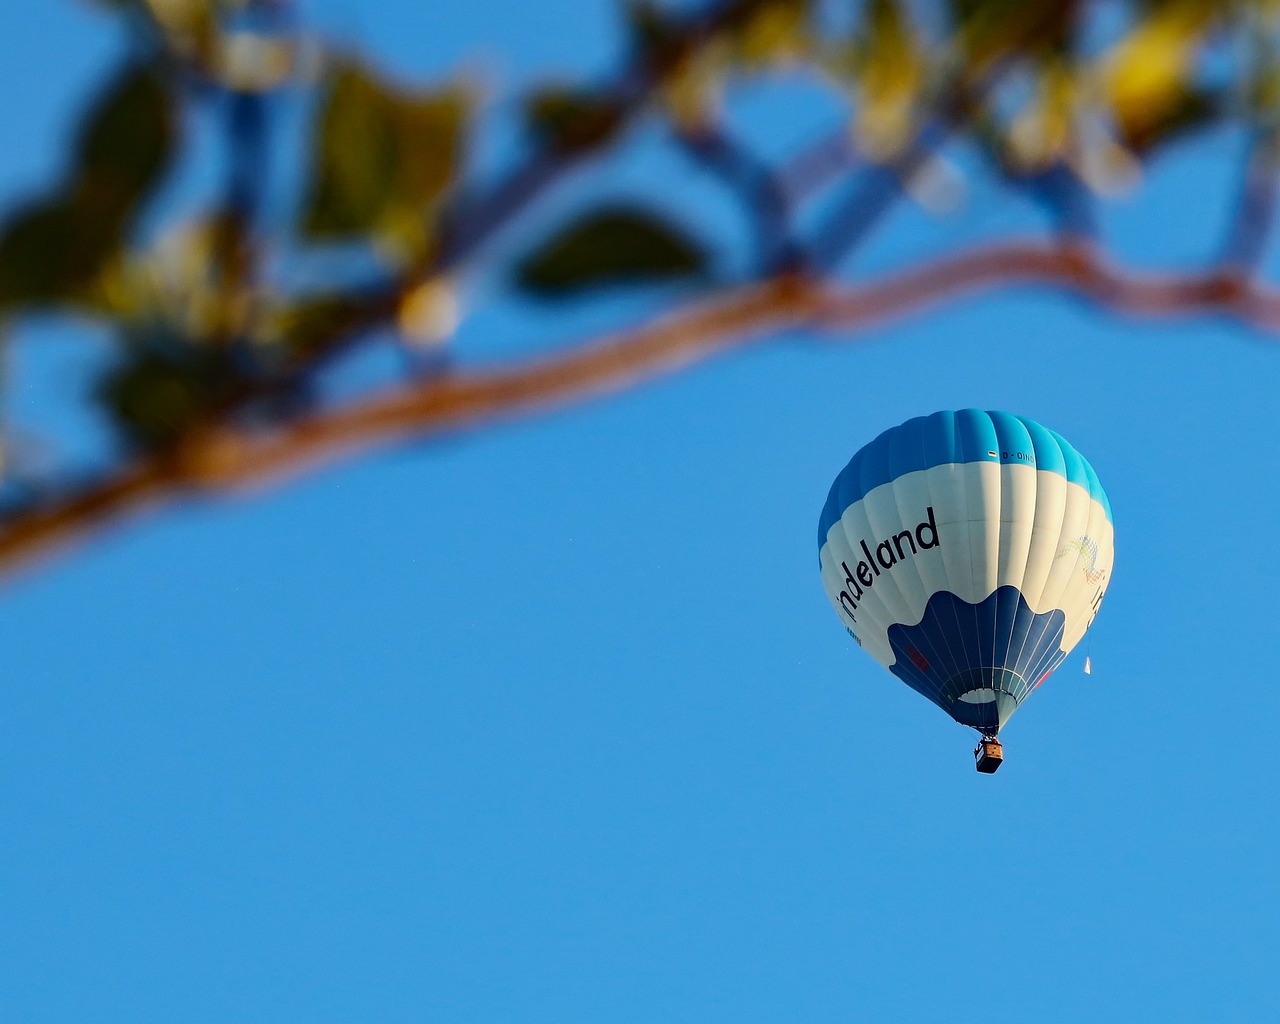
988, 754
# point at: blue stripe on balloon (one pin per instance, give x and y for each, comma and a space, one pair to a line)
946, 438
1048, 452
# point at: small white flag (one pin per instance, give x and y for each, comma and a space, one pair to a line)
1088, 667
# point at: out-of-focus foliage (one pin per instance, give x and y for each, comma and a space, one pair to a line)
165, 388
1149, 76
889, 66
607, 246
381, 159
571, 120
53, 249
238, 44
773, 33
1064, 97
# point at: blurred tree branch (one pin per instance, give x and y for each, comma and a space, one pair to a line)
212, 385
225, 459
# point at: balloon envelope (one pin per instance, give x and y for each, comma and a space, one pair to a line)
967, 552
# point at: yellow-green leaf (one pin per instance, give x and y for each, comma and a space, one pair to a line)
889, 68
775, 33
1042, 132
380, 156
1184, 111
1149, 73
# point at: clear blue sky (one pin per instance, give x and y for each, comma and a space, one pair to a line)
553, 723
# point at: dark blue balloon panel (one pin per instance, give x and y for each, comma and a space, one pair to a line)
995, 652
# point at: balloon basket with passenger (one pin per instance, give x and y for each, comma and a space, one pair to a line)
988, 755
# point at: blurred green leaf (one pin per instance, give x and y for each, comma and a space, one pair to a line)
380, 157
52, 249
1149, 74
773, 32
356, 155
692, 91
572, 120
1183, 112
990, 29
889, 68
656, 31
165, 387
310, 326
614, 245
125, 143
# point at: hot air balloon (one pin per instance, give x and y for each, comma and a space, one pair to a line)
968, 552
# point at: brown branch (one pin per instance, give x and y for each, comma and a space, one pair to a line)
1078, 270
228, 459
